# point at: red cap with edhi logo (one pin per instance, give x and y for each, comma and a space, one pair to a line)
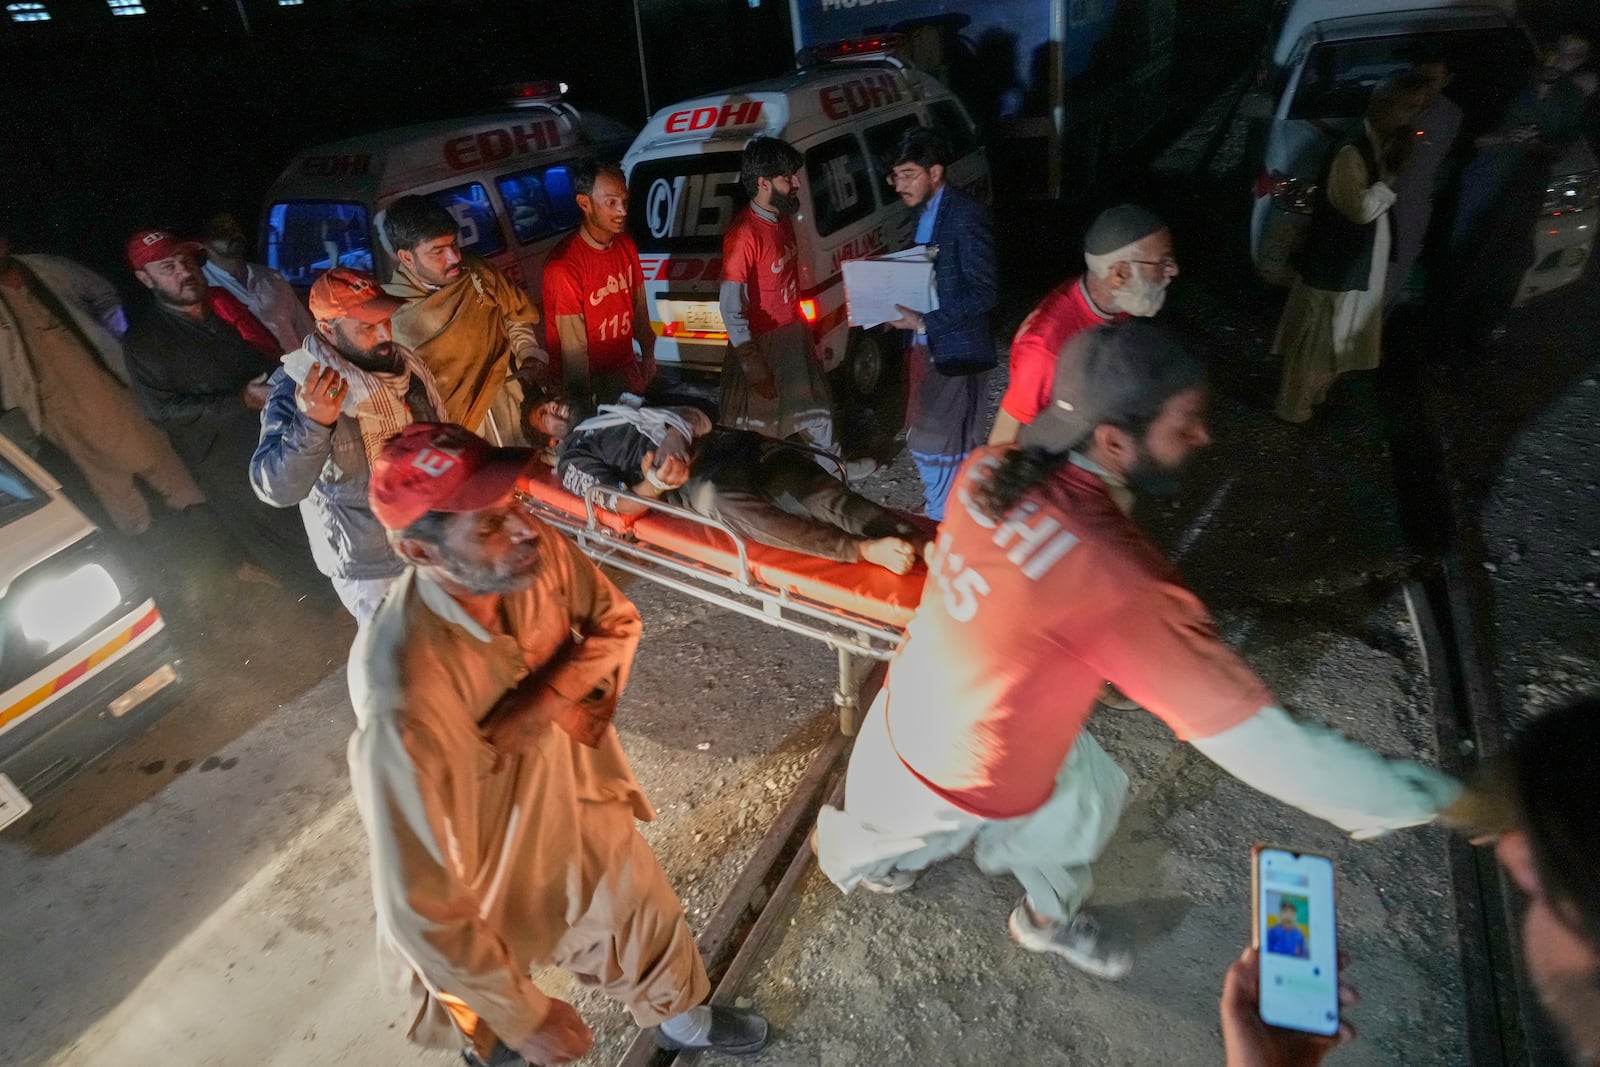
345, 293
438, 466
148, 246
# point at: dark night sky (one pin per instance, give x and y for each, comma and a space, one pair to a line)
119, 123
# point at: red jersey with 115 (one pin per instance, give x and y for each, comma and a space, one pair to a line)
762, 256
597, 284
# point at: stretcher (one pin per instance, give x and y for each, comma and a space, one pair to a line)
857, 609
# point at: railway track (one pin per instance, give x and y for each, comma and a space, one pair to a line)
752, 908
1448, 602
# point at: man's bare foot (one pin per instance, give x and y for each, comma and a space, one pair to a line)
890, 553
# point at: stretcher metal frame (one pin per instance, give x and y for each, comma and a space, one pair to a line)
847, 633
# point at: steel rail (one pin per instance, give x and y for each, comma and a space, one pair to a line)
751, 908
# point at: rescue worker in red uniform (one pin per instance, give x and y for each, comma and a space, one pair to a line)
1042, 589
594, 299
771, 381
1128, 253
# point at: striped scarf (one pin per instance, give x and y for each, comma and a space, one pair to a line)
376, 400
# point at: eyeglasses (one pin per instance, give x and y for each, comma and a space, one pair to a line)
1166, 263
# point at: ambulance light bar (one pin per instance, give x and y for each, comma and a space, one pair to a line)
880, 46
534, 94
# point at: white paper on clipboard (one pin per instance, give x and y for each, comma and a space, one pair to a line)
873, 286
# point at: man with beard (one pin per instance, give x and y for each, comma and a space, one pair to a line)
472, 326
204, 384
332, 405
594, 299
63, 371
498, 805
1332, 322
951, 350
1128, 251
263, 290
771, 381
769, 492
1042, 589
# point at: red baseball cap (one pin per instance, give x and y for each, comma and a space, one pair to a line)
148, 246
439, 466
344, 293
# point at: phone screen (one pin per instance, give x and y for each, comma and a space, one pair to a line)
1299, 949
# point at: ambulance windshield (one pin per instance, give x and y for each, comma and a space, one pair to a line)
303, 238
681, 204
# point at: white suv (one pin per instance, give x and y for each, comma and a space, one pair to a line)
1324, 62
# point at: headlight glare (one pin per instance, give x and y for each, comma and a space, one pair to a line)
58, 609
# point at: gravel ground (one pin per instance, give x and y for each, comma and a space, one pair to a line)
1536, 480
1290, 535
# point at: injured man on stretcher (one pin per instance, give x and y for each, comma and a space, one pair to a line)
764, 490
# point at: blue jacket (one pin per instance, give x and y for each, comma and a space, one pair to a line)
959, 338
324, 469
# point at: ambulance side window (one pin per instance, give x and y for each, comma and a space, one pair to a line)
541, 201
469, 206
837, 174
303, 238
882, 142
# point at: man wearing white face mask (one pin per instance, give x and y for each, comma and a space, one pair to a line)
1128, 251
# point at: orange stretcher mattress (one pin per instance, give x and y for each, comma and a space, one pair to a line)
859, 588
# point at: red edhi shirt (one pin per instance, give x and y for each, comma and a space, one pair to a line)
598, 285
1021, 624
1063, 313
763, 257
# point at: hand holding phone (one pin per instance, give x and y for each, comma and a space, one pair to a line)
1252, 1043
1296, 933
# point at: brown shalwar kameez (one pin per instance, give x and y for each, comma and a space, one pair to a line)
485, 865
95, 419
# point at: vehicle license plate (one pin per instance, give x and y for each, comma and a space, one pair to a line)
702, 316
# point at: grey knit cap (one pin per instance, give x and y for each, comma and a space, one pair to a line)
1120, 226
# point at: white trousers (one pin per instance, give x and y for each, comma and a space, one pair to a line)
891, 821
360, 596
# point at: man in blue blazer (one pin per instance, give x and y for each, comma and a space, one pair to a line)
952, 348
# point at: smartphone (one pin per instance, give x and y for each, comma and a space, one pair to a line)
1296, 932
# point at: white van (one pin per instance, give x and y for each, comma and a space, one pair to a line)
85, 659
1324, 61
506, 177
845, 111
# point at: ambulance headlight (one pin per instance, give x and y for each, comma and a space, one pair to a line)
58, 609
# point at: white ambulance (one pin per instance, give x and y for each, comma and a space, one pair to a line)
506, 177
845, 108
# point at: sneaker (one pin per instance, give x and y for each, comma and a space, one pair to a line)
500, 1057
1081, 941
734, 1032
888, 884
891, 883
857, 469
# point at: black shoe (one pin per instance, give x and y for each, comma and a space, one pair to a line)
500, 1057
734, 1032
